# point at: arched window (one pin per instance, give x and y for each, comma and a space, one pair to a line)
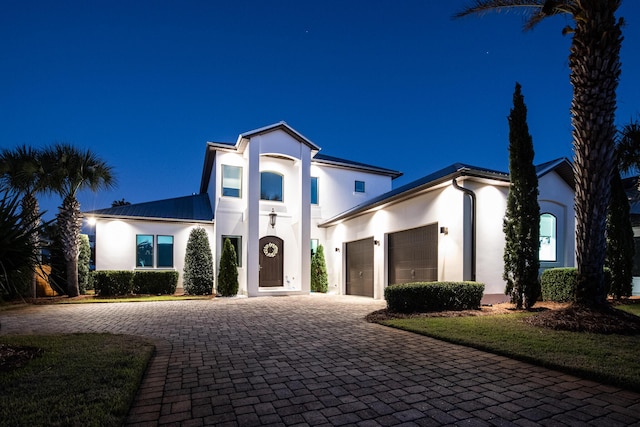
548, 245
271, 186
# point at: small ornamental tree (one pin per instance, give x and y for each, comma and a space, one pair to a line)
84, 257
319, 281
228, 271
620, 244
198, 264
522, 218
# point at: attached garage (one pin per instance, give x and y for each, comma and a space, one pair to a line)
359, 262
413, 255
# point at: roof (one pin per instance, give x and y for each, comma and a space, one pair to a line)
189, 208
439, 177
562, 167
335, 161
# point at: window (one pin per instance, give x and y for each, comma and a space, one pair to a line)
165, 251
231, 181
314, 190
236, 242
271, 186
359, 187
547, 238
314, 246
144, 252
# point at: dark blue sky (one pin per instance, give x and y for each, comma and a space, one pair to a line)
397, 84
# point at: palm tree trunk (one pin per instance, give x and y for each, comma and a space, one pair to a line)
70, 222
595, 70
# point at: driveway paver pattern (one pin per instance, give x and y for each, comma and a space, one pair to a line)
313, 360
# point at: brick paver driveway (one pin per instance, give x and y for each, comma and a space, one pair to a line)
313, 360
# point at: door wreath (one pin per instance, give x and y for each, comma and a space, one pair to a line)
270, 250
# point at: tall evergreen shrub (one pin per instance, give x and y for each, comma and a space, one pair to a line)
620, 244
198, 264
84, 257
228, 271
521, 223
319, 280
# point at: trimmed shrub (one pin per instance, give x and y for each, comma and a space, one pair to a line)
319, 280
155, 282
84, 257
559, 284
198, 264
228, 271
113, 282
433, 296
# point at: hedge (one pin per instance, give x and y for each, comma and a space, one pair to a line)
433, 296
155, 282
559, 284
125, 282
109, 283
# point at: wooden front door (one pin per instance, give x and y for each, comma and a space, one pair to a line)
271, 260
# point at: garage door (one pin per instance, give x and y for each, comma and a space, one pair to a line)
359, 261
413, 255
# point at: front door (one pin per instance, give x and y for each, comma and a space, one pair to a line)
271, 258
359, 259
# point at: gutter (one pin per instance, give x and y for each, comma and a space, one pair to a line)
472, 196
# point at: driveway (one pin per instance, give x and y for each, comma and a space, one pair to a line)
313, 360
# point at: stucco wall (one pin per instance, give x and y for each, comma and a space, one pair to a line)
116, 242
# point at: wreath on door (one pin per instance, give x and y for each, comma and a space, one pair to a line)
270, 250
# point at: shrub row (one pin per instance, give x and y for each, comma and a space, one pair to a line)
433, 296
124, 282
559, 284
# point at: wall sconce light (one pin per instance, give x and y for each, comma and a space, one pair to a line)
444, 230
337, 249
272, 218
376, 242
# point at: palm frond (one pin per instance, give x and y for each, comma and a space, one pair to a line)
628, 149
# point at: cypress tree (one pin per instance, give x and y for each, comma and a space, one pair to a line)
228, 271
84, 258
198, 264
620, 244
319, 280
521, 223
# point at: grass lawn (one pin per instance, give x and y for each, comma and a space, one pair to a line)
79, 380
612, 359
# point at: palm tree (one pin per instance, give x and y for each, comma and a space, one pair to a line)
629, 147
594, 61
72, 170
22, 172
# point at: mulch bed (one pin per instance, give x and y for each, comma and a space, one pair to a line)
13, 357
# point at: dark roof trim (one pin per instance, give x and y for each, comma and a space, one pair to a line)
335, 161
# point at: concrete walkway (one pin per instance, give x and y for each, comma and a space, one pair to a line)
313, 360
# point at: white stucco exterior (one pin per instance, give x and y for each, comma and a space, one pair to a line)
465, 204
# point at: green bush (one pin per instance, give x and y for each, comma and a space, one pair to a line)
198, 264
228, 271
155, 282
319, 279
113, 282
84, 258
559, 284
433, 296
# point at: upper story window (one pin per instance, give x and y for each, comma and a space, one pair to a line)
231, 181
271, 186
359, 187
548, 246
314, 190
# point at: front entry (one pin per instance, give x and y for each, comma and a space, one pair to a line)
271, 260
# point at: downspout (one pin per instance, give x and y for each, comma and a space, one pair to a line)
472, 195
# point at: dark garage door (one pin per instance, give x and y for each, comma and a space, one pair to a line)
413, 255
359, 260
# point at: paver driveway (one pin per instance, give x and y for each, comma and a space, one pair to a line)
313, 360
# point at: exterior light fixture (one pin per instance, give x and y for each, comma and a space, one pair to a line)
337, 249
376, 242
444, 230
272, 218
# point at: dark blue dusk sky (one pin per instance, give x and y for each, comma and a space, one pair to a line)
393, 83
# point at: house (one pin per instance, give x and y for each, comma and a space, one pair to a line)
632, 188
276, 197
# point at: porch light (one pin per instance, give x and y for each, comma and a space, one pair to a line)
272, 218
444, 230
376, 242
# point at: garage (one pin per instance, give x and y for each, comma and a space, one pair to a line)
359, 262
413, 255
